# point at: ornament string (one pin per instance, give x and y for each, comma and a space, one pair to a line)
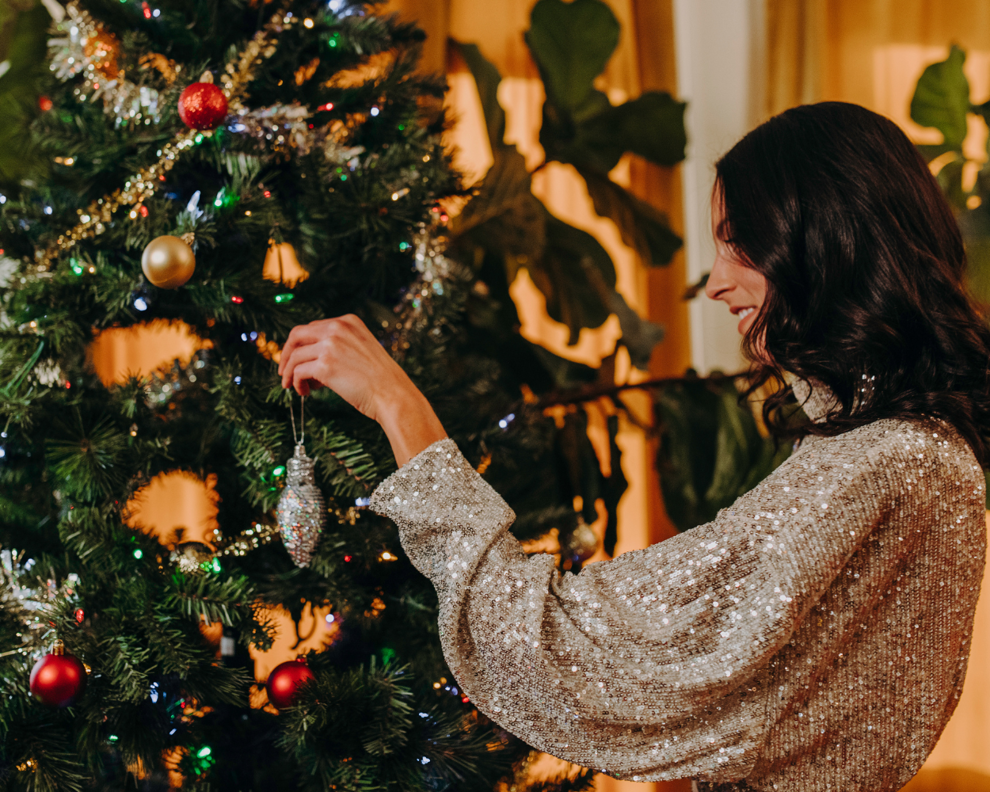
302, 420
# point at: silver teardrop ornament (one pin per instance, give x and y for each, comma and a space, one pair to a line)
301, 511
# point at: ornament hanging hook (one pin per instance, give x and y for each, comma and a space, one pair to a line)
302, 421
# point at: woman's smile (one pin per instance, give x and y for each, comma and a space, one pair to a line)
744, 313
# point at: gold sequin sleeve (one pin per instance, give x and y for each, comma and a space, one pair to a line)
662, 662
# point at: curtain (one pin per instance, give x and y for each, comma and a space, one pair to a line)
872, 52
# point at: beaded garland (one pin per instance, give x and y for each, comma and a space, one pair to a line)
234, 79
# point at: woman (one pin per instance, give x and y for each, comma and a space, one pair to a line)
815, 635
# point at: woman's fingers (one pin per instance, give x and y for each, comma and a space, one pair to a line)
341, 353
301, 354
298, 337
303, 375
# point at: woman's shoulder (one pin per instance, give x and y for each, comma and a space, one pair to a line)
923, 441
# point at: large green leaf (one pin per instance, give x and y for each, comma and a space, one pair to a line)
614, 488
941, 99
686, 413
639, 336
737, 442
561, 273
711, 451
504, 215
487, 79
571, 43
651, 126
643, 227
566, 374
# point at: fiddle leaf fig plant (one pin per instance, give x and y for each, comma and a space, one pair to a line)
942, 101
571, 43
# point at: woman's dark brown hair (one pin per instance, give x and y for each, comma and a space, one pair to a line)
865, 272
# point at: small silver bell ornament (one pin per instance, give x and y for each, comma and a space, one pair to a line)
301, 512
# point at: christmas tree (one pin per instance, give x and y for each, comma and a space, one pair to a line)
175, 147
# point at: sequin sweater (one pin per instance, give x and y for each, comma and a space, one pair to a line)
813, 637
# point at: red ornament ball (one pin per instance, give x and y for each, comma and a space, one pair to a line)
285, 680
80, 615
202, 106
58, 679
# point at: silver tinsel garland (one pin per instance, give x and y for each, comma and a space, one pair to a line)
123, 99
29, 597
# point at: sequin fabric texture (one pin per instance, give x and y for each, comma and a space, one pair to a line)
301, 512
813, 637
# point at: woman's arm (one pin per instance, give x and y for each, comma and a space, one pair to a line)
654, 665
651, 666
409, 422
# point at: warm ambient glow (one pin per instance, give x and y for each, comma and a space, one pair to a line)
281, 265
173, 501
120, 352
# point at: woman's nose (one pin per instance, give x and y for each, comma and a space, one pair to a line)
717, 282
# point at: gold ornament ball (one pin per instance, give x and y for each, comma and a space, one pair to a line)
168, 262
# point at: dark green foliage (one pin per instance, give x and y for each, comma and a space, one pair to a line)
711, 450
23, 35
75, 451
942, 100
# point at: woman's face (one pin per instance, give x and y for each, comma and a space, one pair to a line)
740, 287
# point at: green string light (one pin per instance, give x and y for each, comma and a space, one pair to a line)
334, 40
77, 268
204, 752
404, 246
282, 298
214, 565
279, 470
139, 554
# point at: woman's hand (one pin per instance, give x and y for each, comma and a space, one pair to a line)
343, 355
